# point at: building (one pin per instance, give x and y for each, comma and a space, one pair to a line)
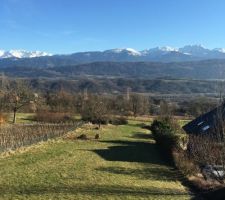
209, 124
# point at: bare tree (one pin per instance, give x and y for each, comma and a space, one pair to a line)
95, 110
60, 101
18, 96
139, 104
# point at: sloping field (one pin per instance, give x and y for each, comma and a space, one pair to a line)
123, 164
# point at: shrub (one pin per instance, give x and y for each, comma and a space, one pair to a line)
129, 113
169, 137
184, 164
165, 134
104, 120
52, 117
82, 137
97, 136
119, 121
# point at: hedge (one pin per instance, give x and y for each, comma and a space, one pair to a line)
165, 134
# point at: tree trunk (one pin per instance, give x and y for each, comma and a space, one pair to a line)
14, 115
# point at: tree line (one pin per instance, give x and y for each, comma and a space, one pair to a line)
19, 96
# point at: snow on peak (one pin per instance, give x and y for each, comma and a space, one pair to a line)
22, 54
159, 50
115, 50
133, 51
39, 54
167, 48
19, 53
221, 50
2, 52
130, 51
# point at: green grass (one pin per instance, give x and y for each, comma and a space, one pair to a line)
28, 118
22, 117
124, 164
183, 122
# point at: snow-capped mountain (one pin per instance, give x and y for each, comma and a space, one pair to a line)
157, 54
192, 51
162, 54
22, 54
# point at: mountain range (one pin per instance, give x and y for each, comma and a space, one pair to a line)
158, 54
192, 62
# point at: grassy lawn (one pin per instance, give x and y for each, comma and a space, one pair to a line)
21, 117
123, 164
28, 117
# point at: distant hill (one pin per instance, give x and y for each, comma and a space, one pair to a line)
120, 85
207, 69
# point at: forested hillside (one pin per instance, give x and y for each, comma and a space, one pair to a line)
209, 69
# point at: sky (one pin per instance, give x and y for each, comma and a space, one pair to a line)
67, 26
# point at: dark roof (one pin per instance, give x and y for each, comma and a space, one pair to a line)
206, 123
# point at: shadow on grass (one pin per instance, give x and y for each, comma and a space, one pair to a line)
141, 152
136, 124
95, 190
130, 151
141, 125
217, 194
149, 173
142, 136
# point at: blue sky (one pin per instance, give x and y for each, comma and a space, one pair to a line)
66, 26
